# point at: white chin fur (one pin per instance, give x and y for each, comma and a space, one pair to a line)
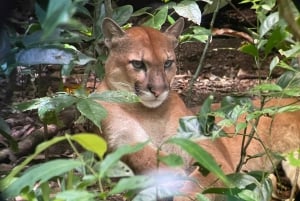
150, 101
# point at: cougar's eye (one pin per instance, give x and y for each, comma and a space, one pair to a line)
138, 64
168, 63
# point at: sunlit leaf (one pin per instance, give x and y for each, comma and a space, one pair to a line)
190, 10
91, 142
268, 23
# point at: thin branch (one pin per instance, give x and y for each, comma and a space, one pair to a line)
200, 65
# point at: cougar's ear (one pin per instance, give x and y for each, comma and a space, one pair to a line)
176, 29
110, 30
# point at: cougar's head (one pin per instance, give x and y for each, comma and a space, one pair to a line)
141, 60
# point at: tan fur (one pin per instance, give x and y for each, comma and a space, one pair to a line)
157, 117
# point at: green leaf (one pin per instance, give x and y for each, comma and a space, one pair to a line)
75, 195
201, 156
92, 110
189, 127
250, 49
274, 63
91, 142
47, 112
171, 160
115, 96
58, 13
31, 104
190, 10
267, 88
276, 37
40, 173
141, 11
112, 158
268, 24
293, 158
158, 19
122, 14
119, 170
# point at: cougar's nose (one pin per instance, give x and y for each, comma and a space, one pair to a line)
156, 90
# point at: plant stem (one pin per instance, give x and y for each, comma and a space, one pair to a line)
81, 159
200, 65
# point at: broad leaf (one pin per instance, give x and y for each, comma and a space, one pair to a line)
249, 49
158, 19
119, 170
268, 23
47, 112
92, 110
201, 156
190, 10
122, 14
40, 173
91, 142
115, 96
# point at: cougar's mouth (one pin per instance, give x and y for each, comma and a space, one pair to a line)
148, 99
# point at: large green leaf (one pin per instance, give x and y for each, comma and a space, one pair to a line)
58, 12
171, 160
92, 110
190, 10
122, 14
201, 156
40, 173
115, 96
158, 19
112, 158
91, 142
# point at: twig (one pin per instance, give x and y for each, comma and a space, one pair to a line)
200, 65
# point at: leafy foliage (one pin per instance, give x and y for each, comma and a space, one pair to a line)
53, 40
